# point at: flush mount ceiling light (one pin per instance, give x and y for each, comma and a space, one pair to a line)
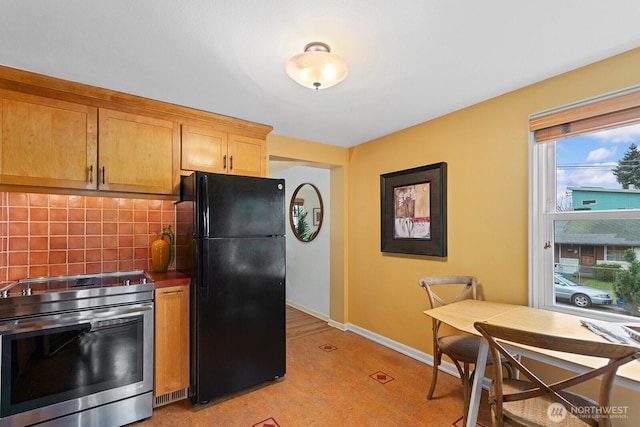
317, 67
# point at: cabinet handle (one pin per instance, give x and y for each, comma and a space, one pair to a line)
224, 162
103, 174
91, 174
171, 292
231, 163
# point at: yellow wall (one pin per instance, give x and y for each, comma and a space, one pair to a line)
486, 149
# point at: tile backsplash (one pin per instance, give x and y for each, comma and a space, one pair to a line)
52, 235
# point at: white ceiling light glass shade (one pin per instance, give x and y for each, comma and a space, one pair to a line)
317, 68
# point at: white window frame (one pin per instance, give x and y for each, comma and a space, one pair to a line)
542, 213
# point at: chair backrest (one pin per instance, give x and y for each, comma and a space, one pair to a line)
467, 290
616, 354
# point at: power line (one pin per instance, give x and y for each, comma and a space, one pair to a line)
584, 166
633, 163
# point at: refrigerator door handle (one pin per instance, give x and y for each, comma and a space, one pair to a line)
204, 201
203, 272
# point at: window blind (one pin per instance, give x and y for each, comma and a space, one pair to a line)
616, 110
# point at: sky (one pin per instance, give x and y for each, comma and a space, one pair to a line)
587, 160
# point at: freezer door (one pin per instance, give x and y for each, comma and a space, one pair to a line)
236, 206
240, 315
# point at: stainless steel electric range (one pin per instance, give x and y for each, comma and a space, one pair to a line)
77, 350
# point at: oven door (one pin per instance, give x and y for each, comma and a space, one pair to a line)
55, 365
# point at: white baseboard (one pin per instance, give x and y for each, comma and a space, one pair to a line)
337, 325
401, 348
308, 311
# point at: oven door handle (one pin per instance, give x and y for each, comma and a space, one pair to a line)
15, 328
97, 321
123, 311
115, 318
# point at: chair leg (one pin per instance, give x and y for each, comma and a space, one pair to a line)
467, 392
494, 418
434, 377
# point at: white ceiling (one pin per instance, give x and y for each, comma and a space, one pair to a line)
410, 60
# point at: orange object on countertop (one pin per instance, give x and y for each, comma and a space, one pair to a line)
162, 251
160, 254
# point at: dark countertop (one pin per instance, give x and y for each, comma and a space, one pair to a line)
170, 278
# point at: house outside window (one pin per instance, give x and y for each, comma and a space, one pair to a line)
585, 206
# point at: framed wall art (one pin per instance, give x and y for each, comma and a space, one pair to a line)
413, 204
317, 214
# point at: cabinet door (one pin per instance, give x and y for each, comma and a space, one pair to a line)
138, 154
172, 339
247, 156
204, 149
47, 143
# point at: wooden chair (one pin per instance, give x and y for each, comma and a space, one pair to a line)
461, 349
527, 401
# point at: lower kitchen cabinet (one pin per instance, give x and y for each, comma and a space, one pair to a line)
171, 344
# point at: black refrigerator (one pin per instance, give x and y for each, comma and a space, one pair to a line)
230, 241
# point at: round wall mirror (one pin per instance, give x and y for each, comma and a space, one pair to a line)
306, 212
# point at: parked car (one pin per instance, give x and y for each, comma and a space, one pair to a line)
579, 295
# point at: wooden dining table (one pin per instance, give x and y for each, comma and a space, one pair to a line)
461, 315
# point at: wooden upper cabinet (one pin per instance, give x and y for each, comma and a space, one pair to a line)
247, 156
138, 153
204, 149
59, 136
46, 142
51, 143
212, 150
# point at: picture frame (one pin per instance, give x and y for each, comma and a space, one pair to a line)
413, 211
316, 216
